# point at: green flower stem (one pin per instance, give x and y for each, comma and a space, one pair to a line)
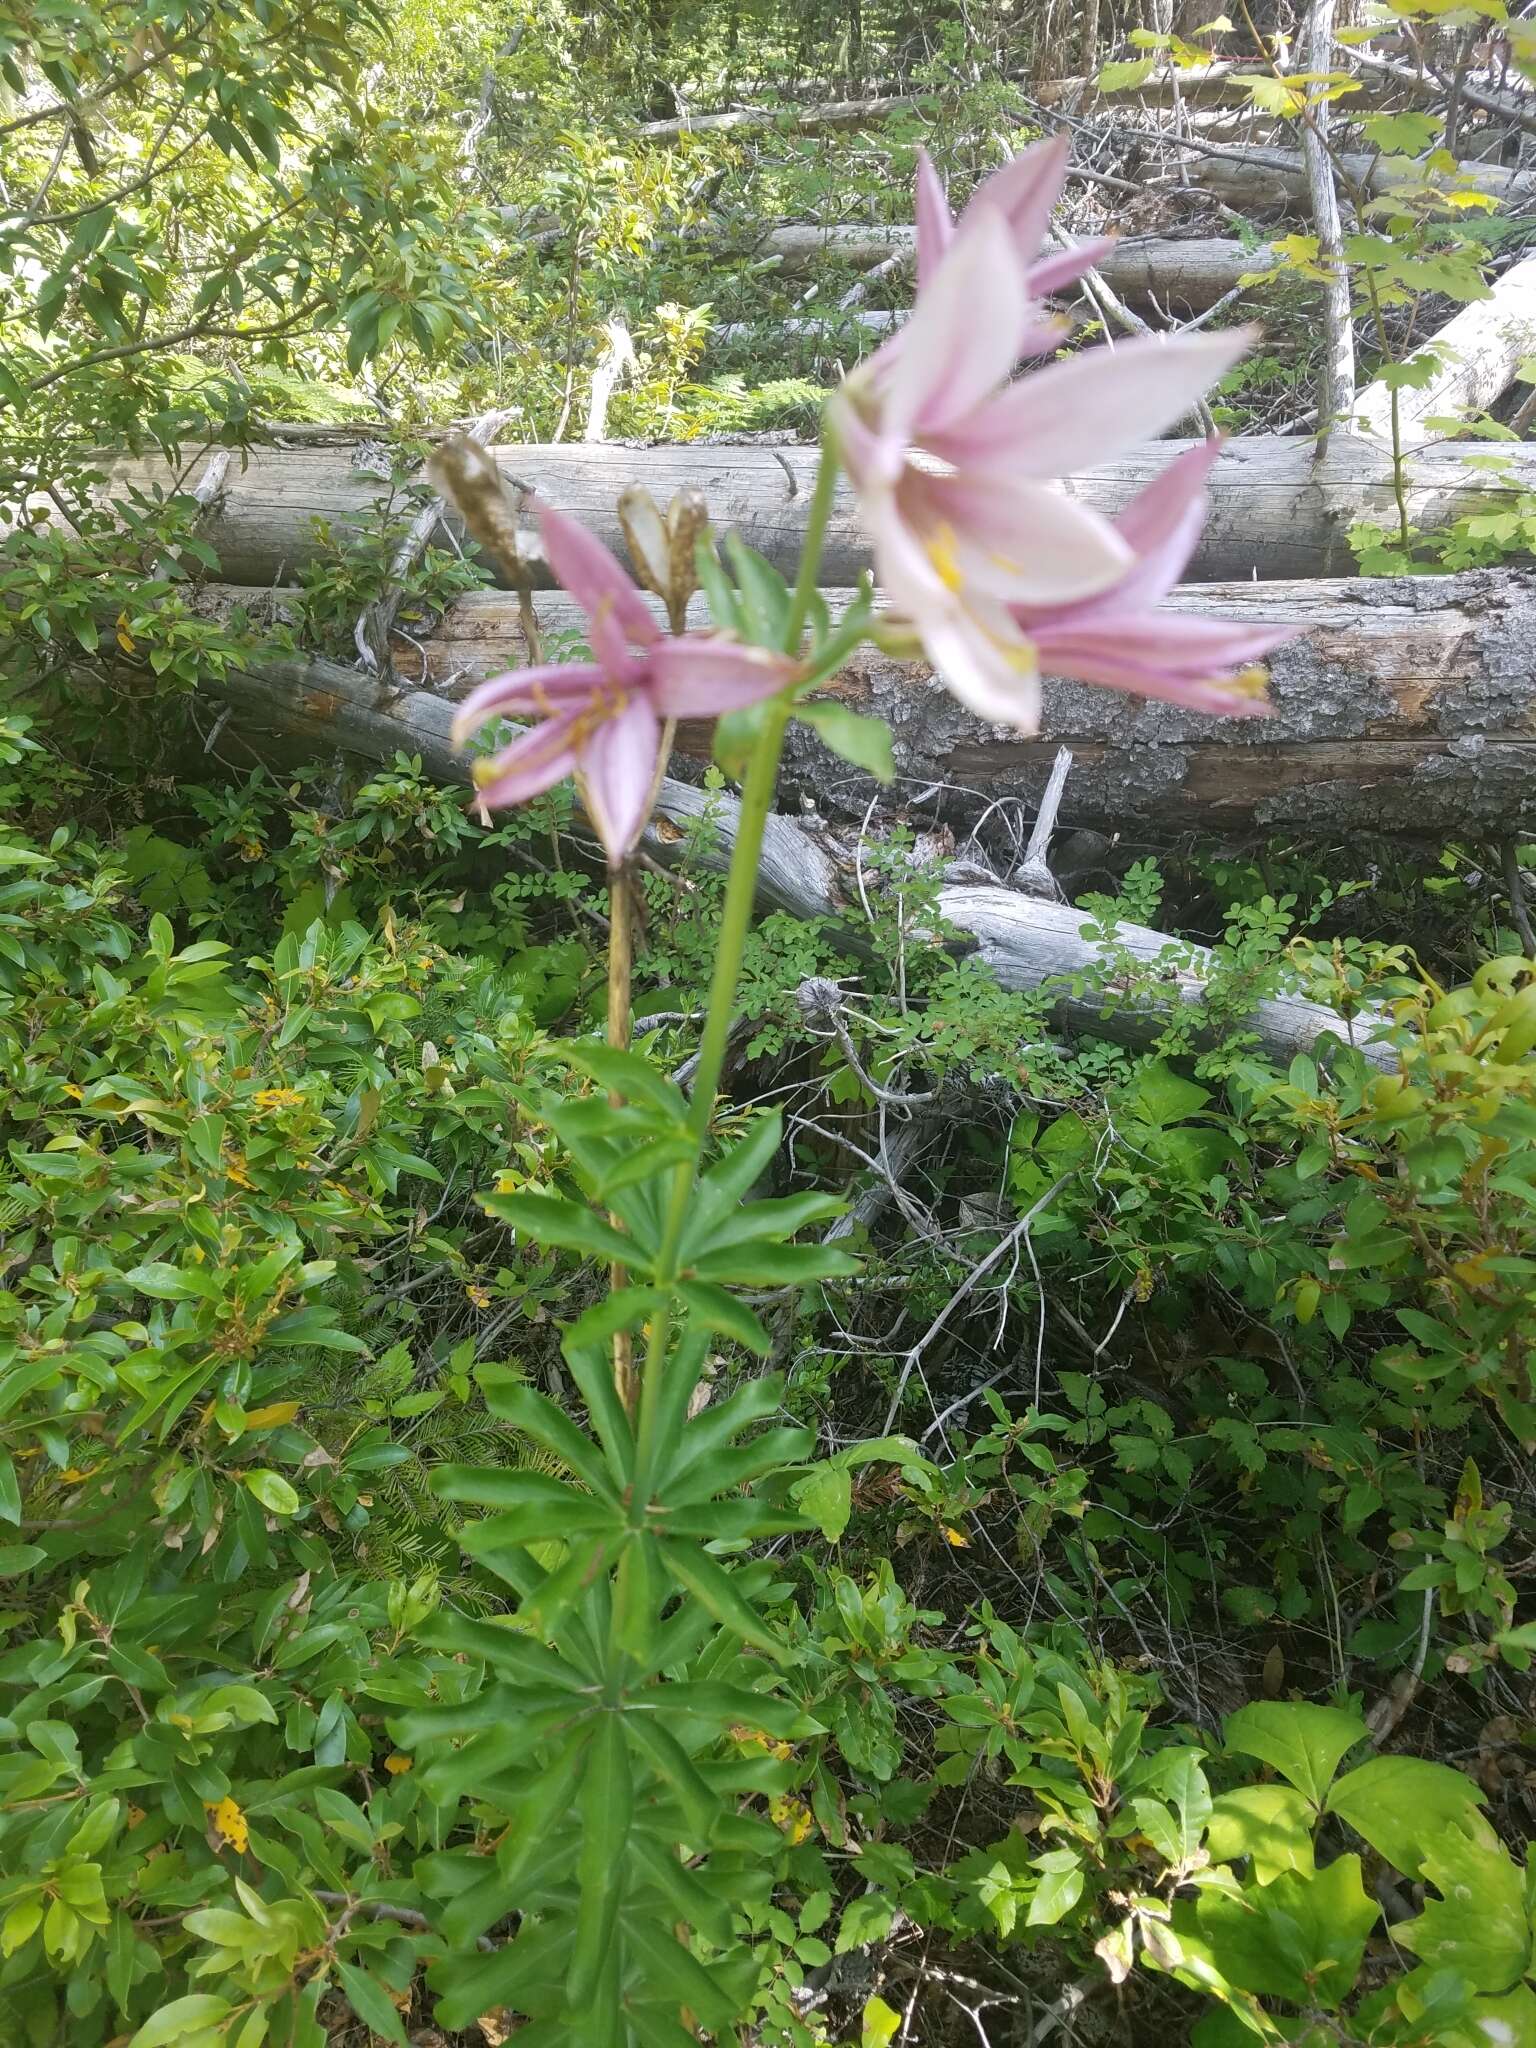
806, 579
735, 923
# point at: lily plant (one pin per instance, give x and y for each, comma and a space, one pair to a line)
638, 1723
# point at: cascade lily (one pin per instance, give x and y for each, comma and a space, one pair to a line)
1121, 640
1024, 192
956, 470
602, 720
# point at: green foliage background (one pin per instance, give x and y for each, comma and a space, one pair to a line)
1159, 1613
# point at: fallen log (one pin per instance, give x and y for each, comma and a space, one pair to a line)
807, 871
1275, 513
1510, 108
1186, 275
1271, 180
1408, 706
826, 118
1478, 351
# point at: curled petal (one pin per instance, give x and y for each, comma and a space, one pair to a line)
1165, 640
617, 771
705, 676
598, 583
1162, 525
1212, 671
526, 693
533, 763
1091, 408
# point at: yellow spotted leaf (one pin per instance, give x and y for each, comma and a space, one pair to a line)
229, 1824
793, 1816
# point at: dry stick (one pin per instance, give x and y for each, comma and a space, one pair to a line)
999, 1251
616, 361
1336, 375
1033, 874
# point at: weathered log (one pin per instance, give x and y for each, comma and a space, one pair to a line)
1407, 706
1186, 275
1271, 180
1479, 352
805, 870
818, 120
1274, 513
1512, 108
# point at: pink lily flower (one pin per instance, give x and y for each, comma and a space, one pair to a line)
1025, 192
984, 528
603, 719
1121, 640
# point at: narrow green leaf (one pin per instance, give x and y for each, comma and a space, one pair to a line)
717, 1310
371, 2003
697, 1573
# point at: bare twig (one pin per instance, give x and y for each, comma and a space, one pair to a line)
967, 1286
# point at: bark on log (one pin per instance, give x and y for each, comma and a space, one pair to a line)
1188, 275
806, 871
1269, 180
1408, 706
1479, 352
1274, 513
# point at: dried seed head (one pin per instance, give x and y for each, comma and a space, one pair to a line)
470, 479
647, 535
687, 518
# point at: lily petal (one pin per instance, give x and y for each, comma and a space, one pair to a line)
981, 659
705, 676
533, 763
962, 340
1025, 192
1010, 538
1111, 662
1162, 524
617, 769
1055, 272
526, 693
584, 567
935, 225
1091, 408
1174, 642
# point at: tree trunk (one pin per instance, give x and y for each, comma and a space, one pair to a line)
1408, 705
809, 869
1273, 514
1479, 352
1336, 372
